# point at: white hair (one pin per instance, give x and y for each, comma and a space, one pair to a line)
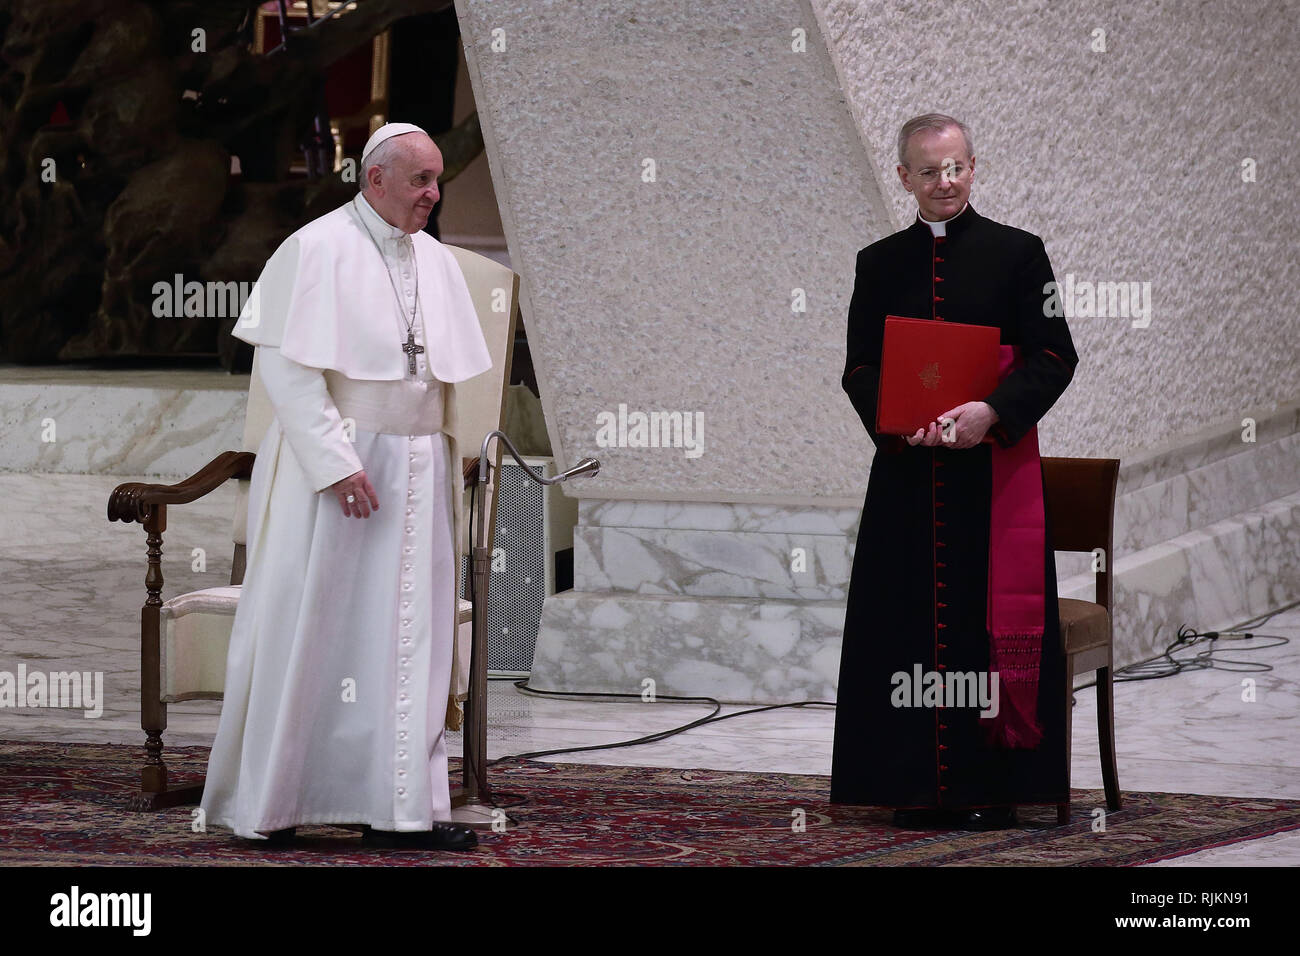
927, 121
381, 156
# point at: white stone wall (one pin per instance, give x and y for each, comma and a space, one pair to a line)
676, 295
1128, 163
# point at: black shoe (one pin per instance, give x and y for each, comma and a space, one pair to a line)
991, 818
441, 836
274, 838
927, 818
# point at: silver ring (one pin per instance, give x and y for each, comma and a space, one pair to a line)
351, 499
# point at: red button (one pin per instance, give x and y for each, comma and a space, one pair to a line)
941, 565
938, 258
941, 604
941, 626
938, 298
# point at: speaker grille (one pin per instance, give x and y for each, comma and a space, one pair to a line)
519, 588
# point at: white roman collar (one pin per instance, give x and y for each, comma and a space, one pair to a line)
941, 228
379, 227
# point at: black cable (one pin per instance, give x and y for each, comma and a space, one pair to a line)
1265, 618
1166, 664
714, 717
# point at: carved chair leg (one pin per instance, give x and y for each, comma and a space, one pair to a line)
1063, 809
1106, 737
154, 794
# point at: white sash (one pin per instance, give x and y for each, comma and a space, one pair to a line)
407, 407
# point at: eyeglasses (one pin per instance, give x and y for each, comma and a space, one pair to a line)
948, 173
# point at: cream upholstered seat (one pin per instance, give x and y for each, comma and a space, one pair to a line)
193, 629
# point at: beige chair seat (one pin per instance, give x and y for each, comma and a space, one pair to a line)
196, 638
1084, 625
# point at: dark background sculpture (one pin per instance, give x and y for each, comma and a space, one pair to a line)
141, 129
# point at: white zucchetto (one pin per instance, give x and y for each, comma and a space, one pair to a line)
387, 131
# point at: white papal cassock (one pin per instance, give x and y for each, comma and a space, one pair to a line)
340, 657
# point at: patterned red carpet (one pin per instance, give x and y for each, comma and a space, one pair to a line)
63, 804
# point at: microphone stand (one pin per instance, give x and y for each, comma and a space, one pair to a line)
477, 809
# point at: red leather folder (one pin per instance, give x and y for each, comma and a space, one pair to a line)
929, 367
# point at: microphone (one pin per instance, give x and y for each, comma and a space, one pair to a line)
587, 465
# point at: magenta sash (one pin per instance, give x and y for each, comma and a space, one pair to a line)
1016, 601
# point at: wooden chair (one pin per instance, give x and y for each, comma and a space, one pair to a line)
184, 641
1080, 506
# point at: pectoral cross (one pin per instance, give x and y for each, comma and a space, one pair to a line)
411, 350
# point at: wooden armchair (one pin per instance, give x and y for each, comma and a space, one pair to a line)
1080, 505
184, 641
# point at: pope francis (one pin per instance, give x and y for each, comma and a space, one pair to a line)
340, 657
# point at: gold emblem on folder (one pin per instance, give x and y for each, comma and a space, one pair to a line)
929, 376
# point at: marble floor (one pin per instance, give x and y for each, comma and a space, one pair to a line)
71, 586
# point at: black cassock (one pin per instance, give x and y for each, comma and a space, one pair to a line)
918, 595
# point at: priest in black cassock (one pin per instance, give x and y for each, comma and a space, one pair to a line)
954, 573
